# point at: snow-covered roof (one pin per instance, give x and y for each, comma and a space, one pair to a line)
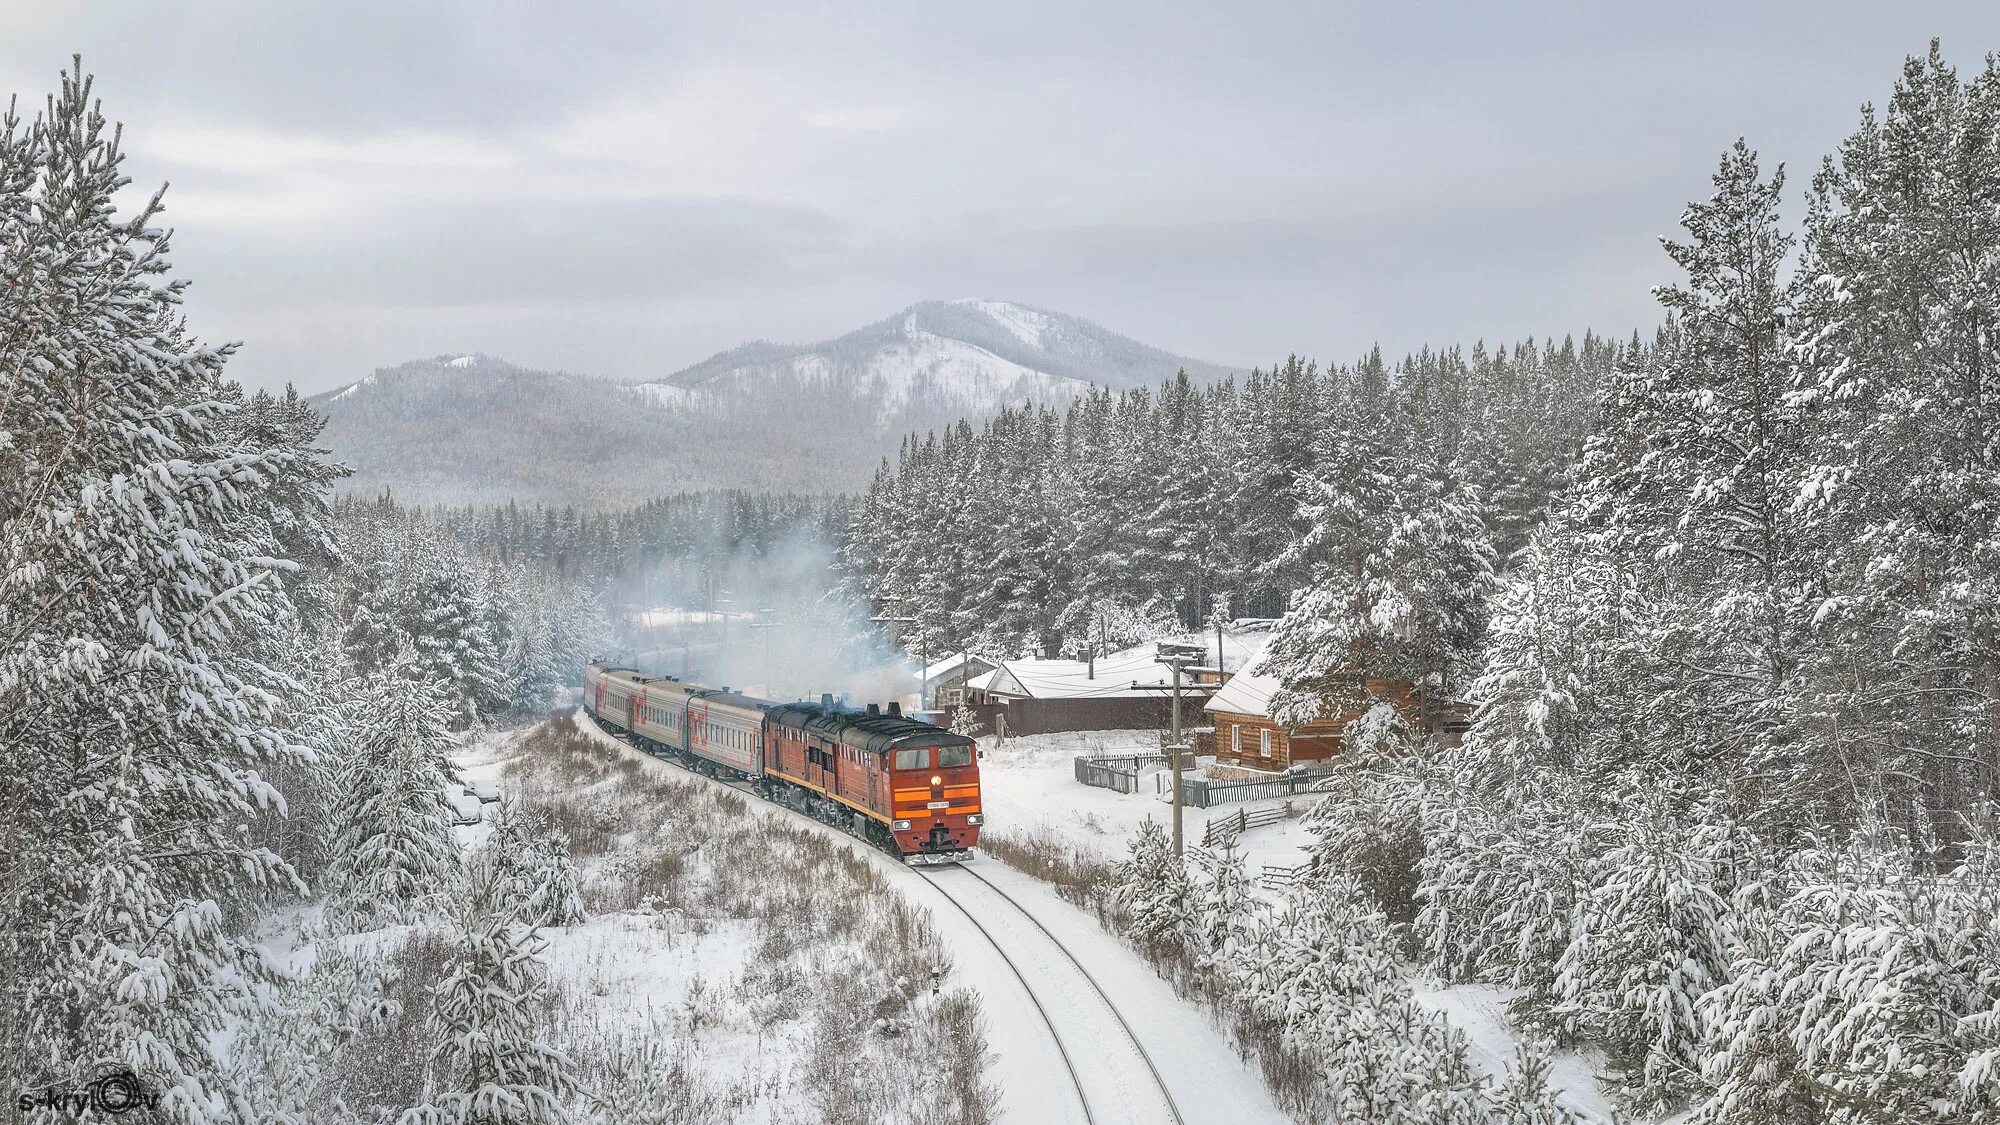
1246, 693
1116, 673
1113, 675
950, 665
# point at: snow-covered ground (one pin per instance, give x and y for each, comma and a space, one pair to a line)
1030, 787
700, 977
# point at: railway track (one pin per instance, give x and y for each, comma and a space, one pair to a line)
1069, 1061
1128, 1099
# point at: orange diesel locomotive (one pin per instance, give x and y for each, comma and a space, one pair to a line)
908, 786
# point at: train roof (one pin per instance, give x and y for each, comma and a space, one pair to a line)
706, 694
878, 733
729, 698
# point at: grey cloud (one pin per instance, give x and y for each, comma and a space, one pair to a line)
625, 187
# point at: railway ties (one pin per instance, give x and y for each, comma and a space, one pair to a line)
1112, 1085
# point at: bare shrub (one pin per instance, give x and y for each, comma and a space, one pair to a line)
1076, 872
381, 1069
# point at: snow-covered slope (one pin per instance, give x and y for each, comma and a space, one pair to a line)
972, 354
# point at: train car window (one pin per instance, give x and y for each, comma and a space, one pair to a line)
913, 759
954, 756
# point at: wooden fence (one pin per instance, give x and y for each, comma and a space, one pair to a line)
1113, 771
1203, 793
1224, 829
1277, 878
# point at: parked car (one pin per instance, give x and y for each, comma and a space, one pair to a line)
487, 791
465, 807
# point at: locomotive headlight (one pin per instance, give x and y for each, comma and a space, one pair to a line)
936, 780
975, 818
899, 826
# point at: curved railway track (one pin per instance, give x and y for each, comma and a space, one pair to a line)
940, 880
1069, 1061
1166, 1095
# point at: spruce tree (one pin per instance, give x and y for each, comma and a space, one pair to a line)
492, 1065
141, 593
394, 852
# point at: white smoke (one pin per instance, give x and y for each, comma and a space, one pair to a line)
774, 624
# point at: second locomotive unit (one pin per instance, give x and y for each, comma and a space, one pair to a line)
910, 787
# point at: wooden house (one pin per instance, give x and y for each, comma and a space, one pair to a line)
1247, 737
1122, 691
944, 680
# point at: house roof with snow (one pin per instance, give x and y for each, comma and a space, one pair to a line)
1119, 674
950, 665
1129, 673
1246, 693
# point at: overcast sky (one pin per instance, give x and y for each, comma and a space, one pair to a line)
625, 189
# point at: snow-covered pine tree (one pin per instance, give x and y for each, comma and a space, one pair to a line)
1306, 961
445, 616
140, 591
1370, 826
492, 1065
1899, 367
1697, 472
394, 851
1151, 893
1869, 992
1334, 983
530, 867
1401, 565
1524, 1096
1652, 933
1221, 913
300, 508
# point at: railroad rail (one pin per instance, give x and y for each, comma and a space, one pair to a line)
1139, 1048
1069, 1063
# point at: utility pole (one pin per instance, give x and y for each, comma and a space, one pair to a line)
923, 646
1177, 657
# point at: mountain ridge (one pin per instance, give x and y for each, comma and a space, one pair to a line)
474, 428
1041, 349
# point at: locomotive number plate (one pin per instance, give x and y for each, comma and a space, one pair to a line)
938, 805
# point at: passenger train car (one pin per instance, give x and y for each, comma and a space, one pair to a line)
908, 786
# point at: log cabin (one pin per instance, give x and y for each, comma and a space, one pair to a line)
1248, 738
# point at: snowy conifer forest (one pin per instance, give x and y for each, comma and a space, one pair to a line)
302, 824
1725, 601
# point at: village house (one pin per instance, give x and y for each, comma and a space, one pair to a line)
1124, 690
1247, 738
944, 680
1121, 691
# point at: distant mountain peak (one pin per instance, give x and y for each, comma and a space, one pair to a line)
973, 354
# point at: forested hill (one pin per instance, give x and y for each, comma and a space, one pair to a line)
1152, 509
764, 417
